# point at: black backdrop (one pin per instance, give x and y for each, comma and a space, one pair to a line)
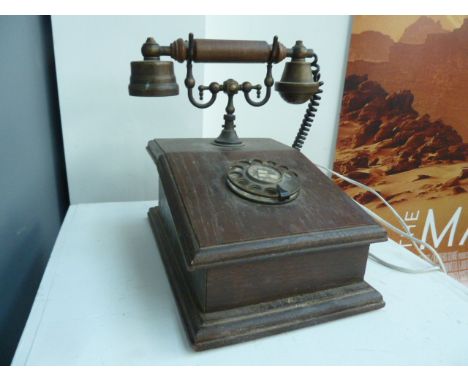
33, 189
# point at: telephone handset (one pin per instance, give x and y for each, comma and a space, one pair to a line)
254, 238
299, 83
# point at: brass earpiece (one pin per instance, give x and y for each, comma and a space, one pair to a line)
152, 77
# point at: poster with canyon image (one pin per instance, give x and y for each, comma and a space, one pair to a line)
404, 127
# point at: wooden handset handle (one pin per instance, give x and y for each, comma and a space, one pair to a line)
208, 50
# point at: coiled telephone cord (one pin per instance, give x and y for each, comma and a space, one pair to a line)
311, 107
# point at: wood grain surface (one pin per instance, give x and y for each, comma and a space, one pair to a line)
218, 226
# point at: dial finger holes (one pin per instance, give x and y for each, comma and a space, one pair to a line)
236, 168
235, 174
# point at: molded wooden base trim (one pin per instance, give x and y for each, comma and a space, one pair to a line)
215, 329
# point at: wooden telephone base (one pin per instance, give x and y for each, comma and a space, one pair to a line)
240, 270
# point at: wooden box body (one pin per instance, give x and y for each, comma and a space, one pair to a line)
241, 269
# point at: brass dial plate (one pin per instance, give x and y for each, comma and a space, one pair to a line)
263, 181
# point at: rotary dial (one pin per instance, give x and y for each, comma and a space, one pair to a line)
263, 181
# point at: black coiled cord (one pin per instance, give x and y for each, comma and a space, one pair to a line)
311, 107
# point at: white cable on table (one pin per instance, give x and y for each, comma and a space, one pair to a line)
407, 234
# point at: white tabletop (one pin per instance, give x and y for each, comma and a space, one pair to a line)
105, 299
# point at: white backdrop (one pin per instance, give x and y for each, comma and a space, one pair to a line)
105, 131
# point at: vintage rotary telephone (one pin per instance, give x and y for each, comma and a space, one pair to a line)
254, 238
